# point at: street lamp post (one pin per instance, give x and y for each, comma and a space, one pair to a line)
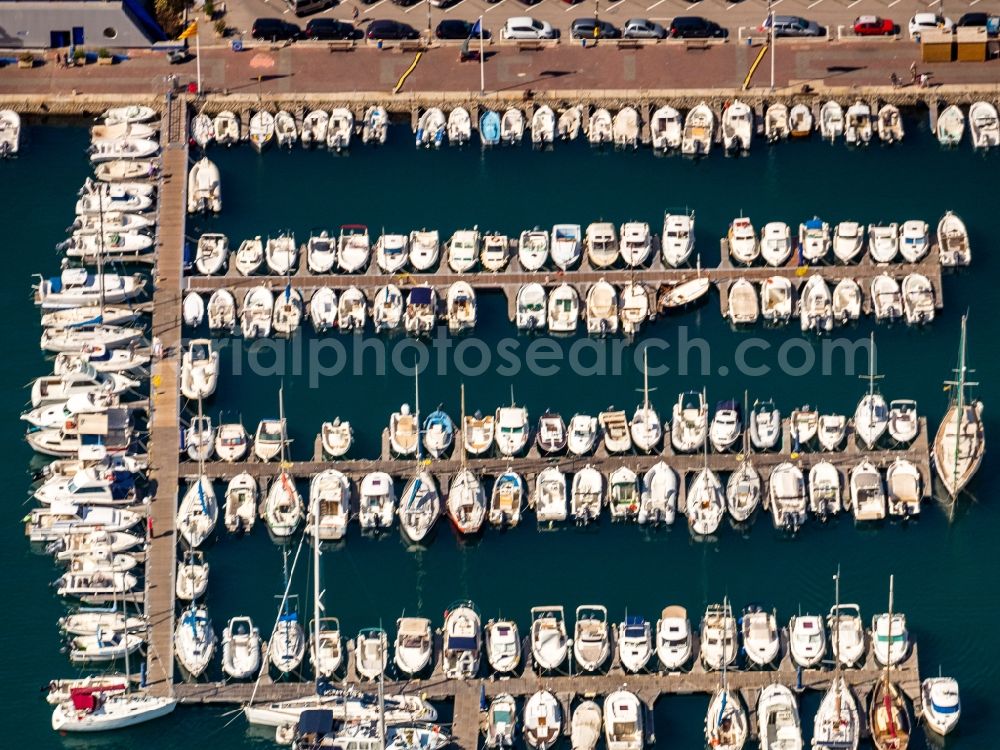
770, 15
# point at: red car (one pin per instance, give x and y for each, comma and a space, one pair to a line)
874, 26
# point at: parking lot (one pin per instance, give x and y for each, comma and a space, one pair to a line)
835, 15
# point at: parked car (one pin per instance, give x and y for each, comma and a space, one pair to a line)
924, 21
390, 30
591, 28
405, 3
793, 26
974, 19
330, 28
305, 7
274, 30
643, 28
696, 27
873, 26
455, 29
525, 27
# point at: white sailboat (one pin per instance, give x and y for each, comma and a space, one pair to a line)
645, 427
871, 418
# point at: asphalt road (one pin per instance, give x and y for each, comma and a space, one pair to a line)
731, 15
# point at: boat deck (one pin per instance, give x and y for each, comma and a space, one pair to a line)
165, 398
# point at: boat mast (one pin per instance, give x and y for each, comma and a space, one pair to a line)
645, 381
416, 402
836, 684
462, 430
871, 377
100, 253
317, 595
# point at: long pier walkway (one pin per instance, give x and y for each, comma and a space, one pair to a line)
165, 399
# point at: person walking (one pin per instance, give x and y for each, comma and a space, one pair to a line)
913, 72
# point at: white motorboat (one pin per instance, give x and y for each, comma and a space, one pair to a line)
591, 637
512, 127
601, 244
192, 576
352, 310
353, 248
204, 188
599, 130
848, 241
585, 728
776, 243
478, 432
950, 125
614, 427
111, 149
420, 313
543, 126
126, 170
737, 127
371, 652
463, 250
56, 414
503, 645
904, 422
512, 431
635, 643
719, 642
425, 247
765, 425
847, 634
222, 311
113, 221
761, 641
602, 309
569, 123
283, 510
194, 640
414, 645
466, 502
462, 641
542, 720
57, 521
699, 131
257, 312
432, 126
549, 641
625, 128
858, 124
918, 299
241, 648
496, 252
776, 127
587, 495
581, 434
403, 431
677, 240
563, 309
779, 726
340, 129
329, 655
531, 307
376, 501
419, 506
744, 303
914, 240
329, 505
87, 246
674, 640
883, 242
658, 497
890, 638
953, 241
336, 437
241, 503
198, 512
867, 492
461, 307
634, 309
533, 249
984, 125
323, 309
227, 128
10, 133
199, 369
846, 301
392, 252
75, 287
787, 495
905, 489
439, 433
387, 309
95, 582
315, 126
706, 503
940, 704
776, 301
666, 127
231, 441
831, 430
250, 256
566, 245
689, 428
623, 494
831, 120
321, 252
282, 254
726, 426
506, 500
889, 124
285, 132
623, 721
744, 490
816, 305
824, 490
261, 129
636, 243
375, 127
814, 240
289, 307
807, 640
742, 241
459, 126
549, 498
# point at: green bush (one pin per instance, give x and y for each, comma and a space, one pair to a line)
103, 53
79, 54
220, 27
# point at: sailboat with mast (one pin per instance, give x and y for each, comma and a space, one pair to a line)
283, 509
871, 418
744, 487
326, 646
837, 725
960, 440
726, 725
646, 427
287, 645
199, 510
466, 496
888, 716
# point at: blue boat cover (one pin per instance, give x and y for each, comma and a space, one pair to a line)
316, 721
420, 295
459, 643
814, 224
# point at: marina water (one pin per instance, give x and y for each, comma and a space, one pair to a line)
945, 572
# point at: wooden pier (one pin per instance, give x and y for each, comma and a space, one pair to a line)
533, 462
165, 399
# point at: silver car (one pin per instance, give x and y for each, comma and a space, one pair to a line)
643, 28
793, 26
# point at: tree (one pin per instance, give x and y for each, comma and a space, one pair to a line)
170, 15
